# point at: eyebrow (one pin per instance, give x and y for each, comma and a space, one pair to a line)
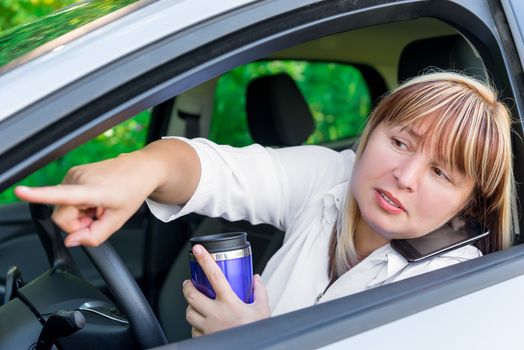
412, 133
418, 137
437, 160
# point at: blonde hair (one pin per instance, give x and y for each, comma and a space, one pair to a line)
471, 132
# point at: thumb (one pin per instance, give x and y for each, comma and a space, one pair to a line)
96, 233
261, 299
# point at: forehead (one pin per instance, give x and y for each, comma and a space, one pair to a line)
419, 127
419, 130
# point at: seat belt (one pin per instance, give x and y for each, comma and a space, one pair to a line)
192, 124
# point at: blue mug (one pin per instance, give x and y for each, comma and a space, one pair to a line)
232, 253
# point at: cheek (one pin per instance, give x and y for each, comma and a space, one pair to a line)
357, 175
374, 162
363, 176
437, 206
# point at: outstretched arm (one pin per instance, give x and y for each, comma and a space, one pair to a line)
95, 200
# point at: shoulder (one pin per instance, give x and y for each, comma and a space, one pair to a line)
449, 258
316, 156
318, 150
306, 153
438, 262
461, 254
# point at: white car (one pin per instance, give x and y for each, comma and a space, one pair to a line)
178, 62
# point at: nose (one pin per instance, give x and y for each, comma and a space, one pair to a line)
409, 172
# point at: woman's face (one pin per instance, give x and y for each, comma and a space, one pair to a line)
402, 190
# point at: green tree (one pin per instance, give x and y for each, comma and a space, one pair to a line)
14, 13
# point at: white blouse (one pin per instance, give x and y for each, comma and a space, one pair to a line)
299, 190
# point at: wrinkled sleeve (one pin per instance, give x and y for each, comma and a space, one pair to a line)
254, 183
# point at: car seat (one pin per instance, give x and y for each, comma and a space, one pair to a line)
278, 115
450, 52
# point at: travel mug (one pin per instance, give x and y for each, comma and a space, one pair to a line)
232, 253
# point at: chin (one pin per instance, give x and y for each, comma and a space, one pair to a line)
388, 235
382, 227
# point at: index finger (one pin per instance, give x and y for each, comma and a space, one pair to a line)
60, 194
213, 273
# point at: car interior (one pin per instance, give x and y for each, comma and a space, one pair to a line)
289, 122
278, 115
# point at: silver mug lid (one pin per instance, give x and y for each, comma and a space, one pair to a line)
222, 242
222, 256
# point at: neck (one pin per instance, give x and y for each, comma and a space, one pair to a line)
367, 240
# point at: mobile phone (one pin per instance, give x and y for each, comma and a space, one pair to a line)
452, 235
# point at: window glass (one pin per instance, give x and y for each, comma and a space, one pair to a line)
337, 96
30, 32
125, 137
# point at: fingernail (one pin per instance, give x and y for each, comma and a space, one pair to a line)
184, 283
197, 250
71, 244
22, 188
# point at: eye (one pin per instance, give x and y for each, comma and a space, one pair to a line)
399, 144
440, 173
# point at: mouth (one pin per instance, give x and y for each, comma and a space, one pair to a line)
392, 203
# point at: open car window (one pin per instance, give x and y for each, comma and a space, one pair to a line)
123, 138
337, 95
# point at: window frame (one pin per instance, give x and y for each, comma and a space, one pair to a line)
333, 321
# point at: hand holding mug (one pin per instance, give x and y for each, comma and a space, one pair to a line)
208, 315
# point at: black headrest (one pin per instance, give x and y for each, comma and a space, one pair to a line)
447, 52
277, 113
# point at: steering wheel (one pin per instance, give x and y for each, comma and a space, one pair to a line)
127, 294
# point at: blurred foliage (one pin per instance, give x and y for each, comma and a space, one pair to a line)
14, 13
336, 93
123, 138
30, 32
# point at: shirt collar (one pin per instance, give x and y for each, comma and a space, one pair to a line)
375, 270
391, 261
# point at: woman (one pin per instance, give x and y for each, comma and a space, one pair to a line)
437, 148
